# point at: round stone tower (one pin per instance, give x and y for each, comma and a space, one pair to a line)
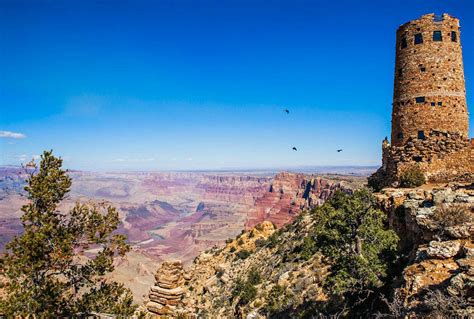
429, 92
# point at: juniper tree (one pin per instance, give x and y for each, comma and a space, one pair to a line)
56, 267
351, 232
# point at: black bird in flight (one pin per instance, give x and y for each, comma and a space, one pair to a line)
294, 148
287, 111
339, 151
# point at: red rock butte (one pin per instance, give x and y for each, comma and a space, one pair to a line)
430, 120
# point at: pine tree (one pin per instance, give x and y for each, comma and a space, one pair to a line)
48, 268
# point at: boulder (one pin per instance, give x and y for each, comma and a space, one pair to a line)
443, 249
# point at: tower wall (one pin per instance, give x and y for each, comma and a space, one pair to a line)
429, 91
429, 117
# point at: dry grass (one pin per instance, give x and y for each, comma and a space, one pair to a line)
453, 215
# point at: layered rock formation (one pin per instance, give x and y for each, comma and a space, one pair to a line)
217, 273
167, 292
289, 194
437, 230
436, 278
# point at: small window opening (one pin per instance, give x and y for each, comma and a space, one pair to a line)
440, 103
438, 18
420, 99
403, 43
437, 36
417, 158
400, 136
422, 69
418, 38
454, 36
421, 135
433, 103
400, 72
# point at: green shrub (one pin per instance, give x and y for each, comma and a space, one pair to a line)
243, 254
232, 249
240, 242
308, 248
249, 292
260, 242
276, 300
245, 290
238, 287
412, 177
273, 240
376, 182
229, 240
351, 232
253, 277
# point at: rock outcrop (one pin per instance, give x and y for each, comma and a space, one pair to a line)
167, 293
291, 193
437, 230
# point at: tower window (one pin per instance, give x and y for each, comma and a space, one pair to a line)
433, 104
454, 36
420, 99
417, 158
418, 38
400, 136
400, 72
422, 68
403, 43
437, 36
440, 103
421, 135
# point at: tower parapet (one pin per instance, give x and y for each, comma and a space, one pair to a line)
430, 120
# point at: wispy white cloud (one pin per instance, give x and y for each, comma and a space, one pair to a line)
9, 134
189, 159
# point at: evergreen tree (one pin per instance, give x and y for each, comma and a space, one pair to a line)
48, 269
351, 232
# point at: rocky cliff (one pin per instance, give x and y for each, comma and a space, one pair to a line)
262, 273
291, 193
436, 226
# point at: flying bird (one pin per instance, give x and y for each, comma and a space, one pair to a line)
339, 151
294, 148
287, 111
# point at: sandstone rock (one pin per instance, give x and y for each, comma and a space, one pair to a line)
469, 250
416, 195
443, 196
427, 273
443, 249
459, 231
167, 293
467, 265
283, 279
459, 282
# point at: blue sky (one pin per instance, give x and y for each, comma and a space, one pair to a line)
203, 84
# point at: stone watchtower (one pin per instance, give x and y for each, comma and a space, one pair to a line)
429, 91
430, 120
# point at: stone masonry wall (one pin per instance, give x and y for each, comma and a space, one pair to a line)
442, 158
430, 120
429, 89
